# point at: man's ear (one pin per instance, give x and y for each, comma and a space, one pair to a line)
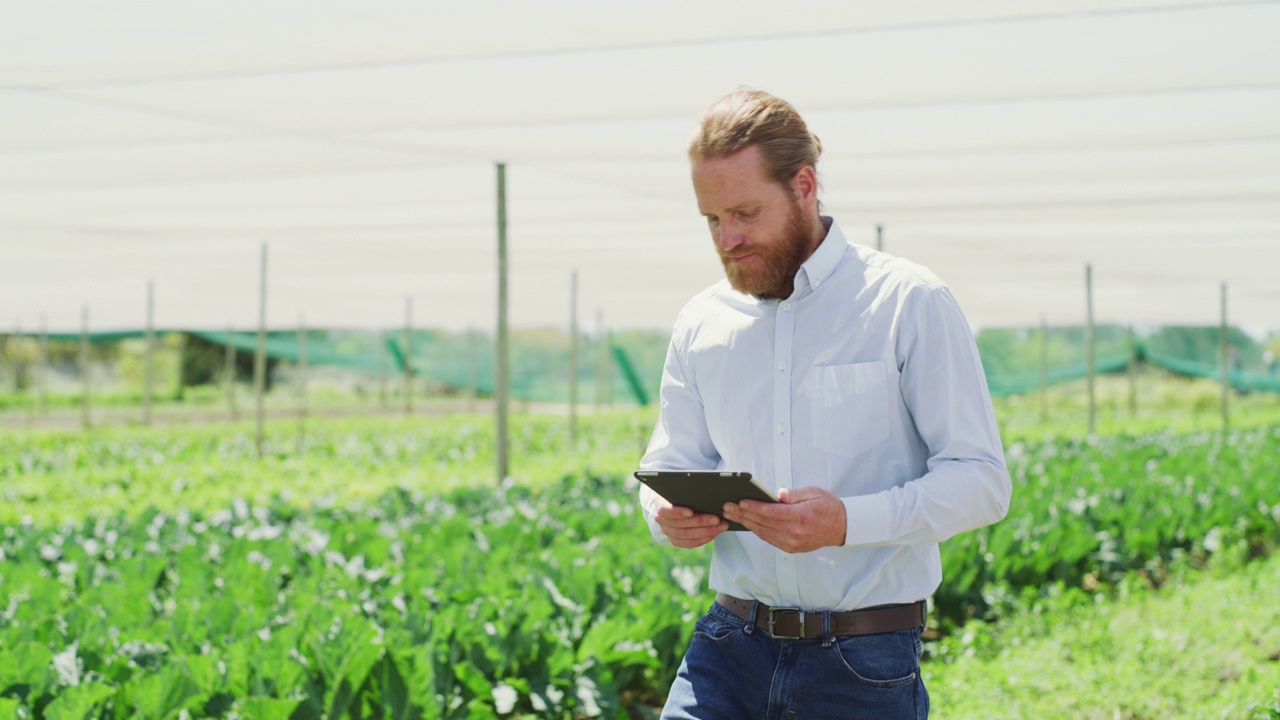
805, 187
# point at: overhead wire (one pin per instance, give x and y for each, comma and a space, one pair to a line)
525, 54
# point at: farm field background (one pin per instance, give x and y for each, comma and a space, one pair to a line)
375, 568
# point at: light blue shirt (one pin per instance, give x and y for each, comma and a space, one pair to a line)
865, 382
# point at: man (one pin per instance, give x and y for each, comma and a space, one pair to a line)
848, 382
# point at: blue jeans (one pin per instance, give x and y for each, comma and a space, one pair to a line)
735, 671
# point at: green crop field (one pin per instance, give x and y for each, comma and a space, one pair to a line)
379, 571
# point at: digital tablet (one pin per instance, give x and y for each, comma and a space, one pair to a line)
705, 491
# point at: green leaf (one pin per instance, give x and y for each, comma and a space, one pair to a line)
387, 691
472, 679
159, 695
265, 708
345, 654
204, 672
26, 663
79, 702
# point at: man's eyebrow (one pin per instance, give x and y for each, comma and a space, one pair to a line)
740, 207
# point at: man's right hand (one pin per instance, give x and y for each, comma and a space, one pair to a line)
684, 527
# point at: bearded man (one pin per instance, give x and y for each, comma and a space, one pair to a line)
847, 381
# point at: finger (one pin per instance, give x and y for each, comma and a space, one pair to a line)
696, 536
761, 514
687, 520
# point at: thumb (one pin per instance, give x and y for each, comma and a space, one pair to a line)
797, 495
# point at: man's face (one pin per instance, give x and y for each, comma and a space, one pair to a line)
761, 230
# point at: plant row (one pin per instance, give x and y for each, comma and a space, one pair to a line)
510, 602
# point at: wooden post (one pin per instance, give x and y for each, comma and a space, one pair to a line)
608, 350
302, 383
229, 371
602, 359
573, 360
880, 238
84, 367
382, 369
149, 362
1044, 369
1090, 359
43, 378
260, 358
501, 369
408, 356
473, 370
20, 371
1224, 361
1133, 373
11, 349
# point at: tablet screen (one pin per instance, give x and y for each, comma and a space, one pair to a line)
705, 491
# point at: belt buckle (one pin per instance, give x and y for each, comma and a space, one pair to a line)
773, 612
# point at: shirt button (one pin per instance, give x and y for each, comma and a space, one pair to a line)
782, 428
782, 366
786, 556
786, 306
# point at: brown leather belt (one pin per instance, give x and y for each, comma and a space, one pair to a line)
794, 623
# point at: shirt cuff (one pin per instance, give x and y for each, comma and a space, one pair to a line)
868, 519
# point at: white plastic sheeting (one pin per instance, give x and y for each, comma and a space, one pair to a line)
1002, 144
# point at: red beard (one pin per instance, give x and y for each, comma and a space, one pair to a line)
772, 272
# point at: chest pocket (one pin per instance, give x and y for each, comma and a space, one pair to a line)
849, 407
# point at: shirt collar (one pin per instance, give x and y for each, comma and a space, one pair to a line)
822, 262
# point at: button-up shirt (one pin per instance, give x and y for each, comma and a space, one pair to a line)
866, 382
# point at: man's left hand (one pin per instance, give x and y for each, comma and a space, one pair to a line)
806, 519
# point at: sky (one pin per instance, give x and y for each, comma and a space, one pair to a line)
1004, 145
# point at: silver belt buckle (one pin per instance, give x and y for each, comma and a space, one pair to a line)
774, 610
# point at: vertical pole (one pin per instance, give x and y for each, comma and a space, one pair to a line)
149, 363
501, 368
11, 348
302, 382
260, 357
880, 238
473, 371
21, 371
229, 373
408, 356
1133, 373
382, 369
43, 377
602, 358
84, 367
1224, 360
11, 351
1044, 369
1089, 348
573, 360
608, 350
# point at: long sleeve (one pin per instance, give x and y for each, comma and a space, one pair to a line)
680, 439
966, 485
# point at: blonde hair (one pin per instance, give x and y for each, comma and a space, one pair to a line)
754, 117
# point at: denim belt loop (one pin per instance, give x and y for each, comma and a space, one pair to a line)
751, 621
827, 639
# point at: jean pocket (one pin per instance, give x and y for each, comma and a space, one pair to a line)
715, 628
848, 406
887, 660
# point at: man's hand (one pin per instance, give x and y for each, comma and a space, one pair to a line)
684, 527
806, 519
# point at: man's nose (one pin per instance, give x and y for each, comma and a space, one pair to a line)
729, 236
